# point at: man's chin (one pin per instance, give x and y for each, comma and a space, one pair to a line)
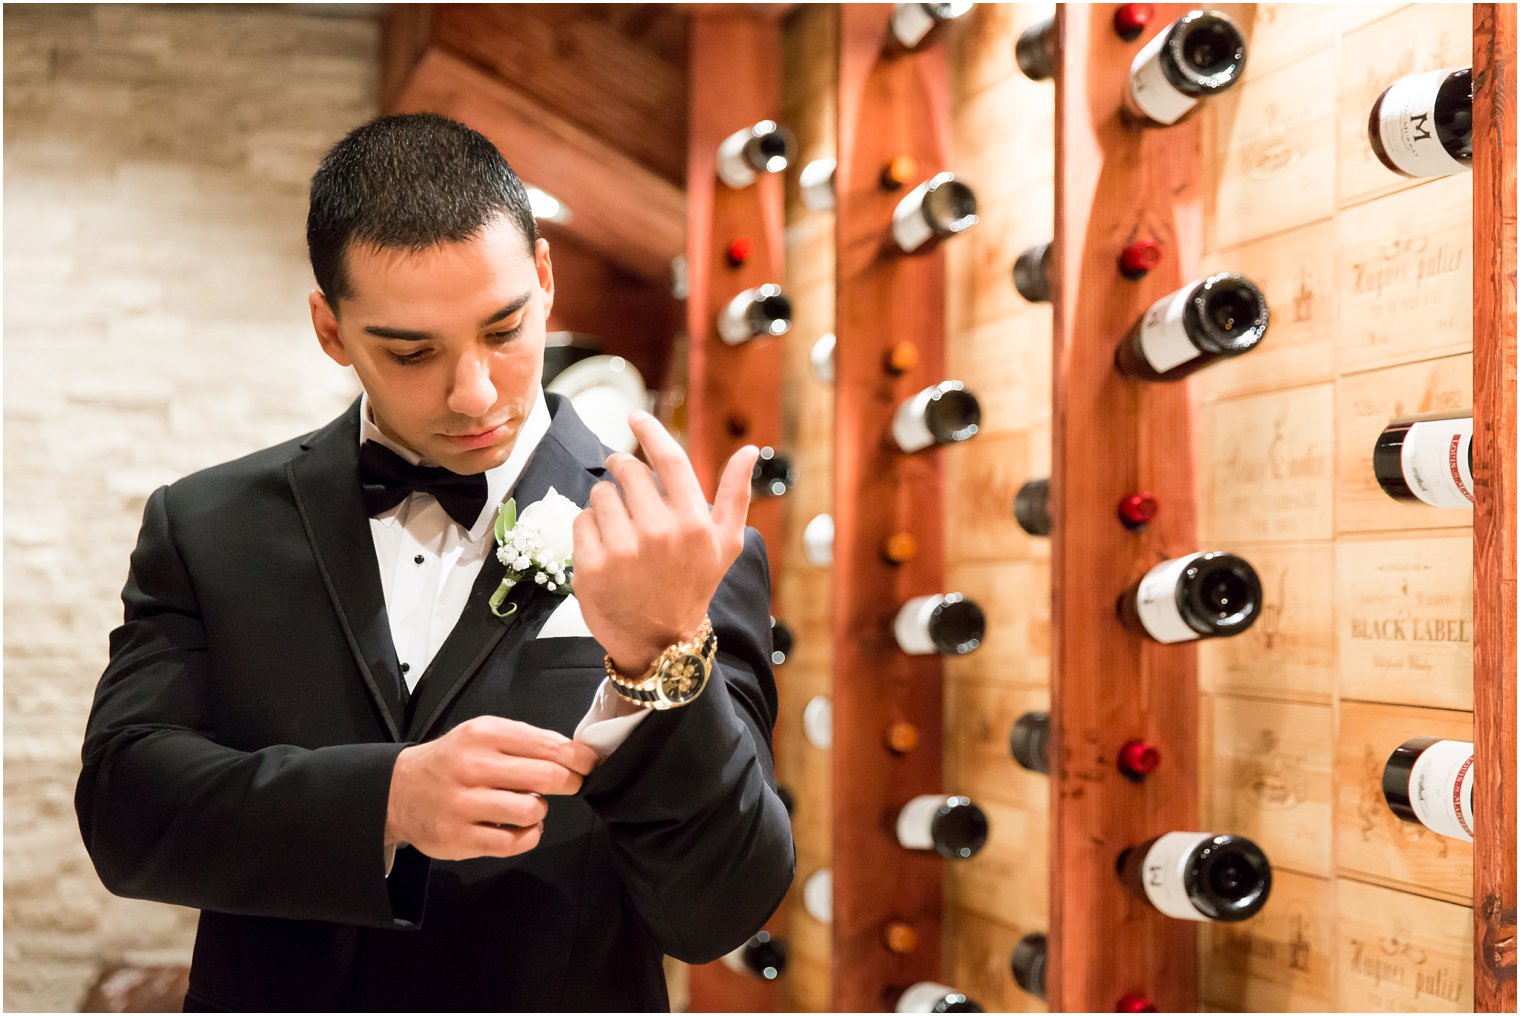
474, 460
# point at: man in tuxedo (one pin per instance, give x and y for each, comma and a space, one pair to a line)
315, 728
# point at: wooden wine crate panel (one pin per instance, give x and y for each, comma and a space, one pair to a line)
1289, 653
1350, 17
1276, 34
1006, 364
1396, 952
1269, 467
980, 263
1265, 768
1009, 878
1273, 144
1000, 139
810, 268
986, 473
1015, 596
1281, 960
978, 952
1405, 276
1370, 843
981, 53
1418, 37
1404, 612
979, 716
1365, 404
1296, 272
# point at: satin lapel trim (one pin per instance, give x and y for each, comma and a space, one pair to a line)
325, 481
480, 632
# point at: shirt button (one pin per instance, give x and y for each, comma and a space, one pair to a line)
405, 667
417, 559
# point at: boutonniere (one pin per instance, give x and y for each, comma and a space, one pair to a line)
537, 545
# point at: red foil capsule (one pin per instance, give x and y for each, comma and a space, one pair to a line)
1135, 1003
1130, 20
738, 251
1138, 509
1139, 258
1139, 758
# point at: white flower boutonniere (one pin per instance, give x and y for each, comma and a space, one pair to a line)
539, 544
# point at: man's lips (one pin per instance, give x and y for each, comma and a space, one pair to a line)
481, 438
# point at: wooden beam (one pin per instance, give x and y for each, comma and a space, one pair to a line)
406, 31
618, 206
1494, 98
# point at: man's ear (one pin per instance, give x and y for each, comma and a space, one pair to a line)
325, 323
545, 273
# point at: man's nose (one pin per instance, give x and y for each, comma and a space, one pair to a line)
472, 393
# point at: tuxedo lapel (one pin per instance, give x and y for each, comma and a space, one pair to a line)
325, 481
568, 458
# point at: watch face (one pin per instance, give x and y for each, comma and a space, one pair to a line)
682, 681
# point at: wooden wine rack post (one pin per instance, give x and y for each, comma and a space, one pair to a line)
734, 392
891, 103
1494, 98
1113, 436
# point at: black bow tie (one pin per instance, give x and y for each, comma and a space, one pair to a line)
387, 479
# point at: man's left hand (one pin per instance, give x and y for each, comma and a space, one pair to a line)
647, 563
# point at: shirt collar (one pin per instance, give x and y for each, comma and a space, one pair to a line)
499, 479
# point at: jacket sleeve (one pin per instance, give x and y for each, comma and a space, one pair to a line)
169, 814
699, 837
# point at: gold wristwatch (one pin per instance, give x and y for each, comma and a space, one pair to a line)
676, 677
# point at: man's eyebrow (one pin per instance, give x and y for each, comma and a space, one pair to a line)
408, 335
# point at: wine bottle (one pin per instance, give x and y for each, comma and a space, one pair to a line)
951, 826
818, 540
1028, 963
1031, 507
1221, 315
818, 896
1031, 274
763, 310
1030, 742
821, 356
816, 184
1035, 52
941, 206
781, 642
931, 996
1429, 781
1427, 459
1199, 876
763, 956
944, 623
818, 722
912, 21
773, 474
940, 414
1205, 595
1200, 54
1422, 123
764, 147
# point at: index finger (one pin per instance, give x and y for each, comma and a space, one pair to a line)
669, 461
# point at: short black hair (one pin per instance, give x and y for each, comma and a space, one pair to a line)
407, 182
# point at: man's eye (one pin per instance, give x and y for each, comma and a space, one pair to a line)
505, 336
407, 359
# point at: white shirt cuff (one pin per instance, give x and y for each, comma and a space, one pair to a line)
609, 721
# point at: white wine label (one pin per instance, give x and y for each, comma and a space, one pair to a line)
1434, 458
1164, 340
732, 327
915, 823
822, 358
910, 228
733, 168
1156, 602
817, 184
818, 896
1406, 125
925, 996
818, 722
910, 424
1164, 874
910, 23
818, 541
1441, 789
912, 625
1149, 89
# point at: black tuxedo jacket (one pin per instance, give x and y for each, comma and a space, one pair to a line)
239, 751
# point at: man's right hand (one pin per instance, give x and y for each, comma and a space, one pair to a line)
449, 797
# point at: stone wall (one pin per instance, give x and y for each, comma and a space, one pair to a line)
156, 165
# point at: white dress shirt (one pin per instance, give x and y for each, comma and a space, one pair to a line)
428, 564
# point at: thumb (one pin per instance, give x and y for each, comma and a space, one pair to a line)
731, 506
